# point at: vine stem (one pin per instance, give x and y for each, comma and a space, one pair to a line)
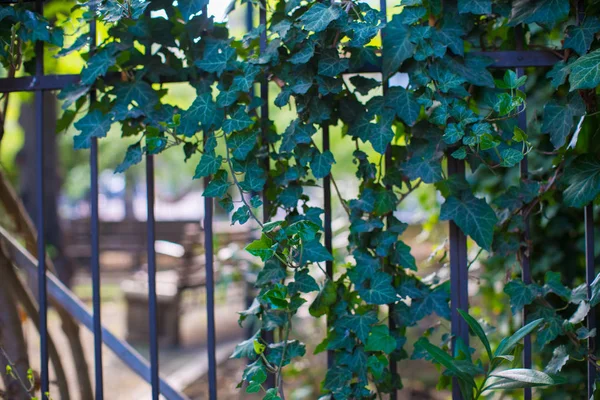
288, 326
237, 184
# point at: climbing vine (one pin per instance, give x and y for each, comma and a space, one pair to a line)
452, 107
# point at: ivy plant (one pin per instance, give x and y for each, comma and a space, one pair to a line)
452, 106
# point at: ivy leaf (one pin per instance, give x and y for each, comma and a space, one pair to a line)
304, 55
245, 349
263, 248
138, 92
583, 181
241, 144
585, 71
319, 16
558, 119
378, 289
303, 282
321, 164
330, 64
97, 66
314, 251
473, 216
547, 12
133, 156
404, 103
209, 164
360, 324
402, 256
239, 120
559, 359
272, 272
580, 37
94, 124
218, 185
189, 8
380, 340
202, 111
216, 56
380, 135
510, 157
336, 377
520, 294
397, 44
241, 215
477, 7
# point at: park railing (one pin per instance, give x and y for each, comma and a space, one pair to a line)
518, 59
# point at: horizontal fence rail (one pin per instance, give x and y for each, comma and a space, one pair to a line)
48, 284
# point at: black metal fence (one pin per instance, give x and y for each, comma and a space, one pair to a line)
518, 59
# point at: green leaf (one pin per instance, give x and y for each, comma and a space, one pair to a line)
239, 121
510, 157
263, 248
133, 156
303, 282
378, 290
547, 12
336, 377
404, 103
319, 16
246, 349
330, 64
478, 7
401, 256
520, 378
397, 44
582, 177
94, 124
473, 216
209, 164
444, 359
321, 164
580, 37
520, 294
216, 56
314, 251
97, 66
558, 119
202, 111
360, 324
189, 8
507, 344
241, 144
138, 92
218, 185
585, 71
559, 359
272, 272
477, 330
380, 340
380, 135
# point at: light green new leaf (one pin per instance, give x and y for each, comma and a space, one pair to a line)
380, 340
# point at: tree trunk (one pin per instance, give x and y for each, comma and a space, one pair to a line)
28, 175
12, 342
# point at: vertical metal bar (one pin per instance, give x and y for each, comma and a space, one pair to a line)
210, 286
387, 165
459, 279
95, 243
41, 242
525, 253
590, 270
327, 221
152, 301
268, 336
